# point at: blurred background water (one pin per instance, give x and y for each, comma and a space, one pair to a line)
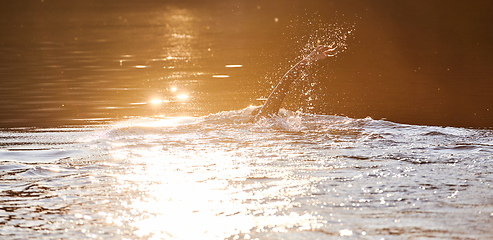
78, 62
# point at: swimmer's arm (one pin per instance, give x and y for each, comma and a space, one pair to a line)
275, 99
274, 102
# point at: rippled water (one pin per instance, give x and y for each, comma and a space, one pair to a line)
132, 121
297, 176
84, 62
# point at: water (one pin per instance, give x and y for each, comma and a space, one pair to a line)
123, 120
92, 62
297, 176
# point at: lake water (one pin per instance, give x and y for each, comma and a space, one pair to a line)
133, 121
297, 176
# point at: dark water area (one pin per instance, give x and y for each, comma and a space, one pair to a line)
89, 62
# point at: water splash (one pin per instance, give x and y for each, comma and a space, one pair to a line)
315, 32
334, 35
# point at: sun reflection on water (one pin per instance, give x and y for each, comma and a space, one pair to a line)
192, 191
187, 185
185, 200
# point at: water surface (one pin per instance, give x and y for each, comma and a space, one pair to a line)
297, 176
90, 61
123, 120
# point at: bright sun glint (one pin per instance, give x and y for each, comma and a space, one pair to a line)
198, 191
182, 97
156, 101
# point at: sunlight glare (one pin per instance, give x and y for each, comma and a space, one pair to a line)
182, 97
156, 101
194, 192
220, 76
180, 188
